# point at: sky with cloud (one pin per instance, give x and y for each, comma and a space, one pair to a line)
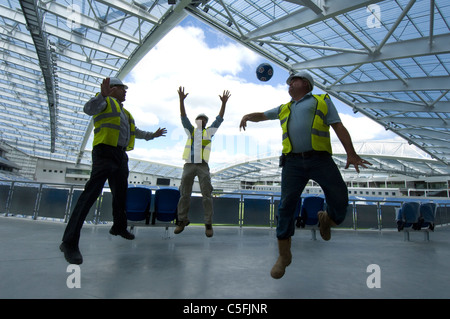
206, 63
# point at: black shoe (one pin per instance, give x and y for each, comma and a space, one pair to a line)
124, 233
71, 254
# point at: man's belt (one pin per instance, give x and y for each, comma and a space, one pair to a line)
307, 154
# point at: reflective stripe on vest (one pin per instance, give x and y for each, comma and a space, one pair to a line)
320, 132
205, 148
107, 125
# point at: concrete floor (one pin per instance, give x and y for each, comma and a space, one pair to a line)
234, 264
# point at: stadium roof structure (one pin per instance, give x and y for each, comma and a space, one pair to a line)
389, 60
389, 161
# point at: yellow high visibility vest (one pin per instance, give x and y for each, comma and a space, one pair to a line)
206, 146
107, 125
320, 132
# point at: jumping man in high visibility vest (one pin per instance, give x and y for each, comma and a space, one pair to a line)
196, 155
114, 134
305, 123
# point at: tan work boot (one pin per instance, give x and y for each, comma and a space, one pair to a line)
284, 260
180, 226
325, 224
208, 230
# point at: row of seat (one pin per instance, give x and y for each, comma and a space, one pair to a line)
411, 216
416, 216
139, 200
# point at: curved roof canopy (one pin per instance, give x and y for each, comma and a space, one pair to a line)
389, 60
389, 161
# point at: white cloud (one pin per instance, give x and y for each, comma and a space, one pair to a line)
183, 58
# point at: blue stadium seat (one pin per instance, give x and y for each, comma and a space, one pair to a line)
428, 215
306, 213
166, 202
408, 216
138, 204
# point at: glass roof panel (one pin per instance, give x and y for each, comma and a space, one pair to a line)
380, 58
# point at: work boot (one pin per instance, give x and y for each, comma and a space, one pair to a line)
325, 224
71, 253
208, 230
284, 260
180, 226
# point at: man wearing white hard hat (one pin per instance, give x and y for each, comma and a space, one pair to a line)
306, 154
114, 135
196, 155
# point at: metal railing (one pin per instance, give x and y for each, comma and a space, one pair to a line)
55, 201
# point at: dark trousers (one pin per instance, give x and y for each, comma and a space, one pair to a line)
296, 173
108, 163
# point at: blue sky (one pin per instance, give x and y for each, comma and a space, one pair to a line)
206, 63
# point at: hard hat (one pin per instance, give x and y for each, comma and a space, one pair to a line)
202, 115
116, 81
303, 75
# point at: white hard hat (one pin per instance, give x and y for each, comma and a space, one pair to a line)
116, 81
303, 75
202, 115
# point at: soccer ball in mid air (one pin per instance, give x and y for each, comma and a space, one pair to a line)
264, 72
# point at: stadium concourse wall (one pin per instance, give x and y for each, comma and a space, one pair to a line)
55, 202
